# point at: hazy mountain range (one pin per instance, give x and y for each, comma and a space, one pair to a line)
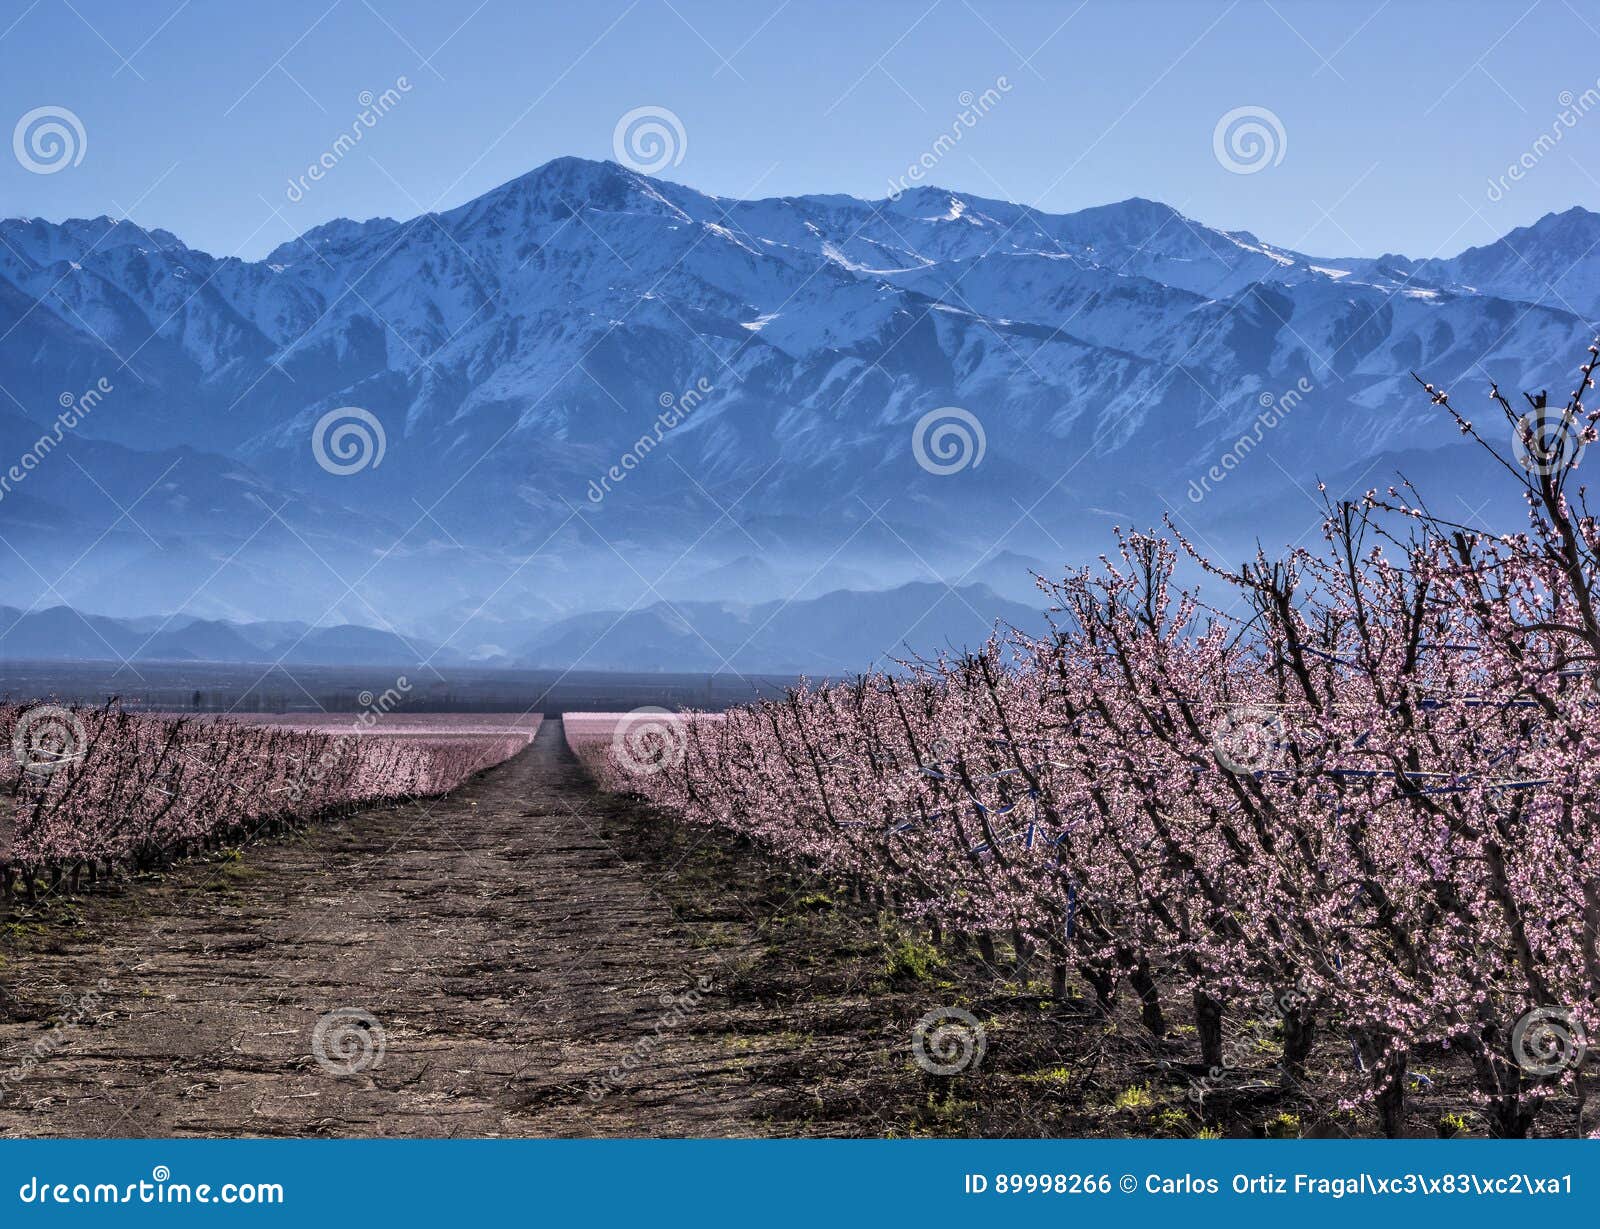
513, 350
837, 634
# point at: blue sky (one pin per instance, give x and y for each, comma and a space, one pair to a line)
1396, 116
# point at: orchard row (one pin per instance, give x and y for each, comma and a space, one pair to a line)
94, 789
1350, 800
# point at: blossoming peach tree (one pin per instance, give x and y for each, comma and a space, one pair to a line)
1362, 789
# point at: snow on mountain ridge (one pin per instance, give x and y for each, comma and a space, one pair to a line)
515, 346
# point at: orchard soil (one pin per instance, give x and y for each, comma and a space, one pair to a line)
544, 959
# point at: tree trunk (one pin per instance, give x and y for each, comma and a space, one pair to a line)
1510, 1117
1299, 1034
1144, 985
1208, 1022
1104, 983
1023, 949
1386, 1068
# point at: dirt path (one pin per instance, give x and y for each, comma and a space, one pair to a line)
523, 968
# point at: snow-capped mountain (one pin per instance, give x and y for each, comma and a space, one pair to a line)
517, 349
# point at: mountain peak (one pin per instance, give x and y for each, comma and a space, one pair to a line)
1551, 262
569, 170
1135, 213
102, 233
580, 180
563, 185
1575, 225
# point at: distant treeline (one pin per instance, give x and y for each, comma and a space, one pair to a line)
179, 687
